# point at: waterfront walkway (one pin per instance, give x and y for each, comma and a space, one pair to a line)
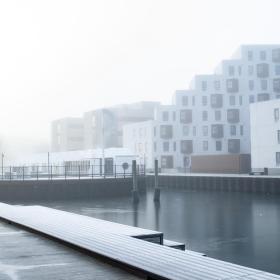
149, 259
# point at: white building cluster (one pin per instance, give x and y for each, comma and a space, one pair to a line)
207, 127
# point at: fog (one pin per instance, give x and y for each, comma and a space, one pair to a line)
62, 58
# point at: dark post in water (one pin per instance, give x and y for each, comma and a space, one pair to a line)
135, 195
157, 190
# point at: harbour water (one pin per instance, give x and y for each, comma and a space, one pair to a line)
242, 228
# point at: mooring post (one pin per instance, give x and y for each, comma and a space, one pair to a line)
135, 194
157, 189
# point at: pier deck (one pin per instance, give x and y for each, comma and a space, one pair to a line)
150, 259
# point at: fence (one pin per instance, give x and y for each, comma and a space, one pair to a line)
56, 172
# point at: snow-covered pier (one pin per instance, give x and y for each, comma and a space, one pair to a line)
126, 246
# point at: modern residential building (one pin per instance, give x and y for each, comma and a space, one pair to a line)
207, 128
101, 128
67, 135
265, 136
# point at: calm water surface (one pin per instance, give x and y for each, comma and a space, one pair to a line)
242, 228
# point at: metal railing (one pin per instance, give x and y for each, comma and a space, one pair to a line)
64, 172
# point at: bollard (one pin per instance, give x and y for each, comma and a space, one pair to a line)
157, 189
135, 194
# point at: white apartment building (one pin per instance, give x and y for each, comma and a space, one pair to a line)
265, 136
211, 120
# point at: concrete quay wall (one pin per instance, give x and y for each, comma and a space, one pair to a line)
260, 184
67, 189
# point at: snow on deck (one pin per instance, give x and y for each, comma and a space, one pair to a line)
155, 260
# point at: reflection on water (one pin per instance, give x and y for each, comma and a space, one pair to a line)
239, 227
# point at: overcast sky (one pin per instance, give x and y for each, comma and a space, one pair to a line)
63, 57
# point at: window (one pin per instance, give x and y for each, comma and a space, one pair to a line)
204, 115
251, 99
277, 69
194, 130
218, 145
262, 70
276, 114
276, 55
264, 84
193, 100
165, 146
155, 146
186, 116
186, 146
205, 130
166, 131
234, 146
165, 116
232, 130
186, 161
263, 96
232, 85
250, 70
184, 100
251, 85
278, 136
204, 85
250, 55
204, 100
233, 115
216, 100
217, 130
276, 85
277, 158
218, 115
166, 161
240, 100
155, 131
217, 85
174, 146
231, 70
262, 55
205, 145
232, 100
239, 70
241, 130
174, 116
186, 130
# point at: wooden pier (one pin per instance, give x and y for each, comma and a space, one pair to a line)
118, 244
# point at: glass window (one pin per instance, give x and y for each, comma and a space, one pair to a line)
240, 100
250, 70
262, 55
165, 116
174, 146
193, 100
278, 136
276, 114
218, 115
217, 85
205, 130
232, 130
239, 70
204, 100
241, 130
186, 130
277, 69
204, 115
194, 130
166, 146
231, 70
277, 158
250, 55
232, 100
155, 131
205, 145
251, 99
276, 55
264, 84
174, 116
204, 85
251, 85
185, 100
218, 145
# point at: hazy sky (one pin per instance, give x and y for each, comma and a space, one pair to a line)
63, 57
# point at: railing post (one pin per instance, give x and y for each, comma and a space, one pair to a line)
135, 195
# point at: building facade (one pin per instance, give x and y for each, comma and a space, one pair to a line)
265, 136
212, 118
67, 134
